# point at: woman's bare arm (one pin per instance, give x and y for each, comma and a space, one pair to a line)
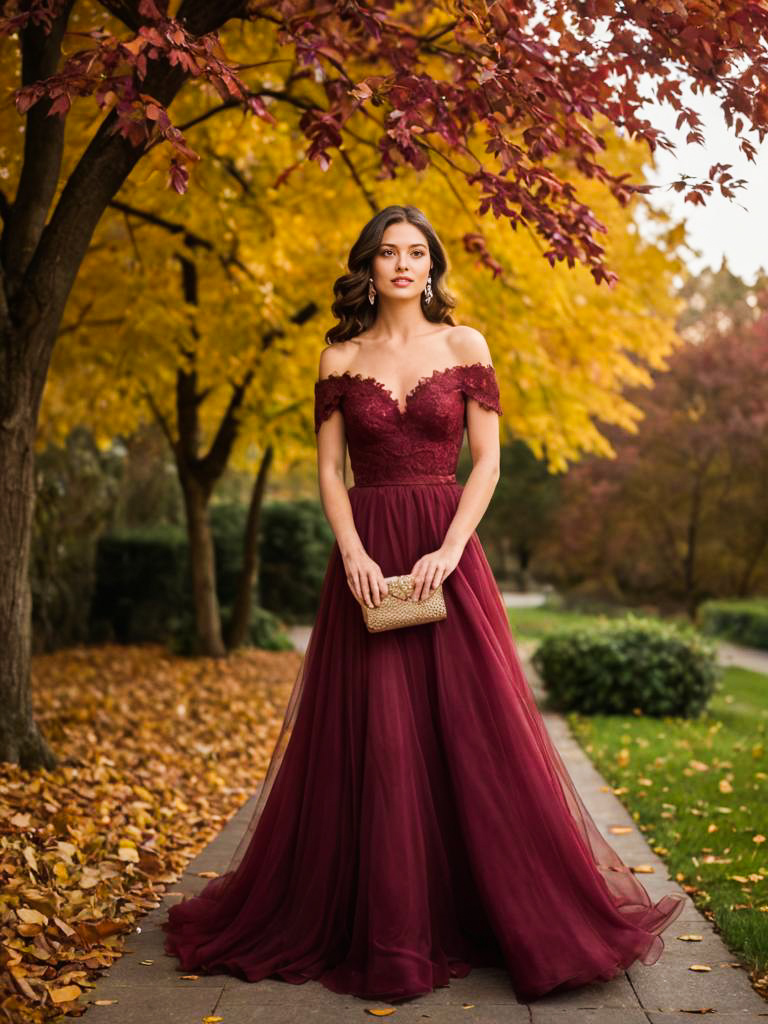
483, 434
364, 576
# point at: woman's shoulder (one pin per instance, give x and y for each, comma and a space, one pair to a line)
335, 358
468, 345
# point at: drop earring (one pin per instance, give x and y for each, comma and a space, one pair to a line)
428, 293
371, 291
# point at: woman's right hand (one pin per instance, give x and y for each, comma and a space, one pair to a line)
365, 578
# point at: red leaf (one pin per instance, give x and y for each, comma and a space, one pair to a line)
60, 105
178, 177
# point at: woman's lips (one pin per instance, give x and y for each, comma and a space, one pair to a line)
401, 282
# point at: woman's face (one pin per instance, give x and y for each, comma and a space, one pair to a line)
403, 253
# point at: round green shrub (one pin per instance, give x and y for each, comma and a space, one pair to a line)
628, 665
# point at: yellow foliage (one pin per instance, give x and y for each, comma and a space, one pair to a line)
564, 348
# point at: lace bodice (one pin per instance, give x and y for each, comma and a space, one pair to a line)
388, 444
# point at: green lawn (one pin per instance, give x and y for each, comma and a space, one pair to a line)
697, 788
698, 791
535, 623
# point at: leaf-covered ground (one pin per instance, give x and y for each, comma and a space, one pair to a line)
700, 788
155, 753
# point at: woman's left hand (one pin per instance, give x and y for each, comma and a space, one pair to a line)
431, 569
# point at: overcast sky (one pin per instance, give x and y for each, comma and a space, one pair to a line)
736, 228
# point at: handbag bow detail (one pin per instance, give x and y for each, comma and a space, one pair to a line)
395, 610
400, 586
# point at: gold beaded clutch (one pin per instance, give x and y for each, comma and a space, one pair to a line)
397, 610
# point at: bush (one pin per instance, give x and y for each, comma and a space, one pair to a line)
141, 584
265, 630
76, 485
143, 589
228, 528
628, 665
297, 541
742, 621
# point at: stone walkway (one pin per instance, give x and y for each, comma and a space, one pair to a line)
745, 657
665, 993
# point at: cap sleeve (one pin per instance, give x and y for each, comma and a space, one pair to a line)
328, 394
479, 382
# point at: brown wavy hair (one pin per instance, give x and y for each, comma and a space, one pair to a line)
351, 306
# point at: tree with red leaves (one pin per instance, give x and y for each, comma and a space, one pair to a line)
679, 515
532, 82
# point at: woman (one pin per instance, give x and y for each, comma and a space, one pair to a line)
416, 819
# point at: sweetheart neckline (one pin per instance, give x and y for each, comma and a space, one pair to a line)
426, 378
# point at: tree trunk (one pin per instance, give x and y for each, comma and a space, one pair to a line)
241, 610
40, 256
198, 475
690, 581
523, 563
203, 564
20, 740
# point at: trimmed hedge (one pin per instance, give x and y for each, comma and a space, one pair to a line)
143, 589
629, 666
297, 541
743, 621
141, 583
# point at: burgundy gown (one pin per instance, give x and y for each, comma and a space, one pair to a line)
416, 819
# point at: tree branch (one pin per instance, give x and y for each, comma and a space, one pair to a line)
159, 416
43, 149
369, 197
278, 94
124, 11
201, 16
106, 163
215, 461
189, 238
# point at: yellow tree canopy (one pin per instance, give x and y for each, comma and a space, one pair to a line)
265, 251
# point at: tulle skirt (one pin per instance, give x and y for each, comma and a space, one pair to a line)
416, 819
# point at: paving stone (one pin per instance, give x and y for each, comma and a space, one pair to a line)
253, 1013
732, 1017
274, 993
481, 985
608, 1015
129, 972
140, 1004
669, 986
617, 994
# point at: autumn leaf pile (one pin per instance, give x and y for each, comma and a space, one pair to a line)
156, 753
